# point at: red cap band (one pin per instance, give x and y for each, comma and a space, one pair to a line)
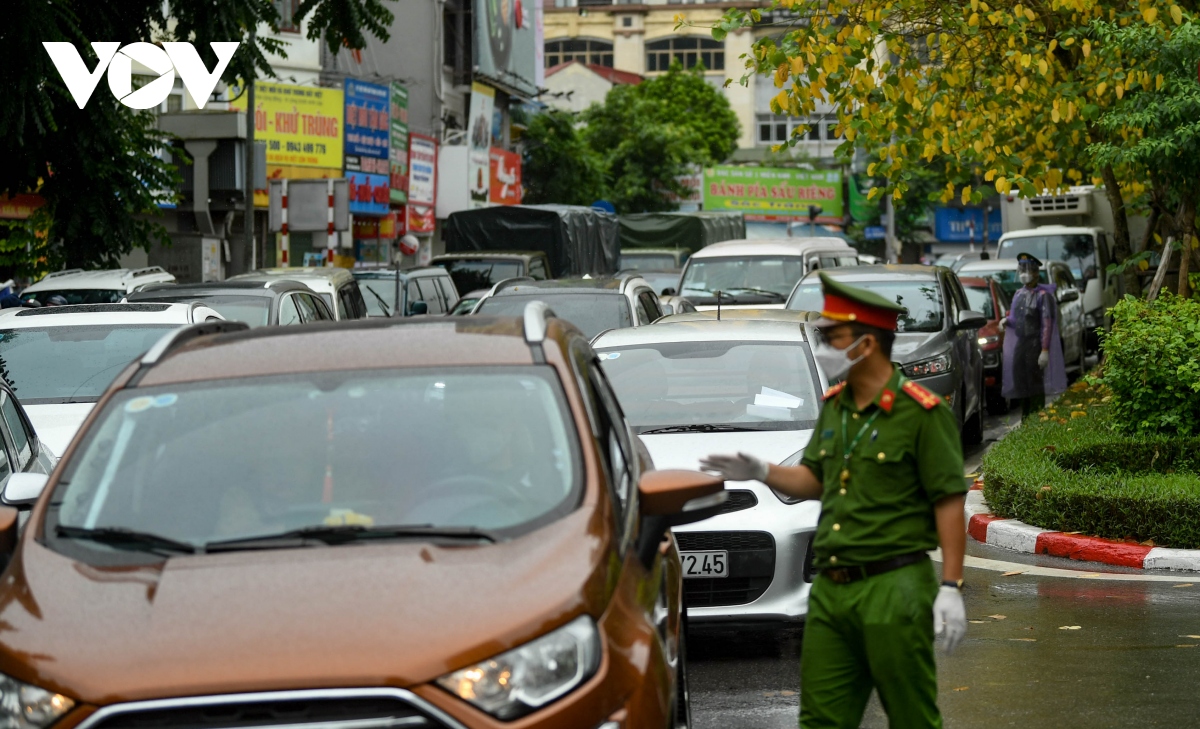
838, 308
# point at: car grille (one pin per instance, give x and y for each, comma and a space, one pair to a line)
327, 713
751, 567
738, 500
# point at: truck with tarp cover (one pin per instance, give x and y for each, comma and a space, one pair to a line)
674, 235
576, 240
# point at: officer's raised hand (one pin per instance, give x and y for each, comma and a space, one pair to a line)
949, 617
741, 467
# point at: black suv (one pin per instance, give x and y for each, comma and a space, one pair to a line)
594, 305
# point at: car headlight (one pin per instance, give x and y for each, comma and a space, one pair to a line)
989, 341
23, 706
527, 678
938, 365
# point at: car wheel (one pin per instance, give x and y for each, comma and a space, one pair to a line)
683, 706
972, 431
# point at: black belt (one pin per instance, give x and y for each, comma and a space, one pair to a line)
845, 575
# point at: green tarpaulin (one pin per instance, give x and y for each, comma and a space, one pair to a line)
691, 231
576, 240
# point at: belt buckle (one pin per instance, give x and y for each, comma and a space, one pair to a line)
840, 576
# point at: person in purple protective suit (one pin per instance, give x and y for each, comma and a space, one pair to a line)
1033, 358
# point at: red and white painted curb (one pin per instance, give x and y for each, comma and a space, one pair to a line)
985, 527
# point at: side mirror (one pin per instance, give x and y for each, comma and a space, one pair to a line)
673, 498
24, 488
1068, 295
970, 320
668, 291
418, 308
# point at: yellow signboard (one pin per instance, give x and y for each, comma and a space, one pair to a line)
301, 125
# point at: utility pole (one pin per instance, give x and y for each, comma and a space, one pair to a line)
893, 250
248, 214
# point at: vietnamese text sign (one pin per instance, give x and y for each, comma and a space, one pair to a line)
301, 125
773, 191
398, 156
422, 169
368, 127
369, 194
952, 225
505, 177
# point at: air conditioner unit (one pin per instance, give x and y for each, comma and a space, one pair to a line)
1050, 205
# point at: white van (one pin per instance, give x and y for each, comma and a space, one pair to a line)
758, 273
95, 287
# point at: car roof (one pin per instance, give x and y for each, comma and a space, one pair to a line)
880, 272
94, 314
1050, 230
488, 254
114, 278
995, 264
770, 247
565, 285
252, 288
316, 278
682, 328
339, 346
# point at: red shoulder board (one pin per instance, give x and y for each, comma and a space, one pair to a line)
928, 400
834, 390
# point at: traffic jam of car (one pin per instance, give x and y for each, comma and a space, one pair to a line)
213, 471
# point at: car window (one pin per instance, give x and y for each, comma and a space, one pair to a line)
345, 304
618, 448
414, 295
469, 274
648, 302
1077, 250
448, 292
537, 269
744, 280
1063, 279
20, 438
441, 450
979, 298
288, 313
643, 316
323, 312
308, 310
360, 304
431, 295
923, 299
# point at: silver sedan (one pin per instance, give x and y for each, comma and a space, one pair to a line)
692, 386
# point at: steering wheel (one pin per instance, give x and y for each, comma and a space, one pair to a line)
479, 486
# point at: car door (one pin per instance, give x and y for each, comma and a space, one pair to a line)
1070, 320
963, 344
449, 292
289, 312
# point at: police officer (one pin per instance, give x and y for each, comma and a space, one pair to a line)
1033, 358
886, 462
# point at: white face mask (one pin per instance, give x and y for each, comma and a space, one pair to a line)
1026, 277
836, 362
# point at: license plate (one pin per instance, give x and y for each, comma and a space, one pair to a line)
705, 564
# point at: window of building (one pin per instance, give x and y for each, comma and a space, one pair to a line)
690, 52
287, 15
627, 22
584, 50
457, 37
777, 128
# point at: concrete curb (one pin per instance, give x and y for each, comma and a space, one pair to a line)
985, 527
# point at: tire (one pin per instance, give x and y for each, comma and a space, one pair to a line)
682, 711
972, 431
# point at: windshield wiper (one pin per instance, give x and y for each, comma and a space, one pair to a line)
343, 533
760, 292
123, 537
698, 428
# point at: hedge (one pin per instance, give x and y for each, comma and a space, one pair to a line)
1071, 469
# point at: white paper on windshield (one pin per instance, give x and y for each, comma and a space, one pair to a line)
769, 413
777, 399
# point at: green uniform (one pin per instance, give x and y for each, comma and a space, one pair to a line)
905, 455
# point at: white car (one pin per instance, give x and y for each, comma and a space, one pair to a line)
758, 273
335, 285
95, 287
692, 386
60, 359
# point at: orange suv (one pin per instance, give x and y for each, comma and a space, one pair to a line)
383, 523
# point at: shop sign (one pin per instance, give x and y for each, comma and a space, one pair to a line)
368, 127
398, 155
391, 225
19, 207
506, 43
366, 228
301, 125
505, 174
773, 191
369, 194
479, 143
422, 170
420, 219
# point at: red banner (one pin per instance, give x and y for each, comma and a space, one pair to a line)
420, 219
505, 171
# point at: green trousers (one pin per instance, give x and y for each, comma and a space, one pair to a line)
873, 633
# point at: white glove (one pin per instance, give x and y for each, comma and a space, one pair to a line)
1003, 323
736, 468
1043, 359
949, 617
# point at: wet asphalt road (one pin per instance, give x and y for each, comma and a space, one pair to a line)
1133, 660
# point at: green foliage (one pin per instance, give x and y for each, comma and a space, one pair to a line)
96, 167
649, 134
1072, 470
1153, 365
559, 166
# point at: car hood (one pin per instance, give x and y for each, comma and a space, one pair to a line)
917, 345
56, 425
684, 450
395, 614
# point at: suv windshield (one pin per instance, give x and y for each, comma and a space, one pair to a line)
389, 449
754, 280
71, 364
755, 385
469, 275
1076, 250
77, 296
923, 299
592, 313
380, 294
